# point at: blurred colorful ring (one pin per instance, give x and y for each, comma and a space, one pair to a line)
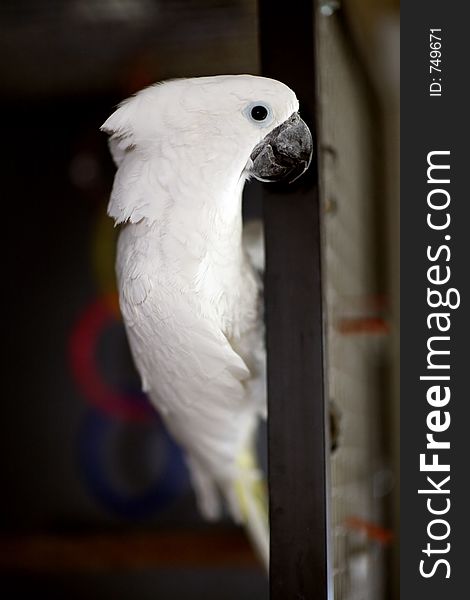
103, 255
94, 442
83, 343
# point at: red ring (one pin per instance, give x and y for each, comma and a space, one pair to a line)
82, 359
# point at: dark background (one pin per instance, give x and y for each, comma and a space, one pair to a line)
95, 500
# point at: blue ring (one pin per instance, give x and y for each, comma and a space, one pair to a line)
171, 483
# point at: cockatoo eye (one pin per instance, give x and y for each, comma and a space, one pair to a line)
259, 113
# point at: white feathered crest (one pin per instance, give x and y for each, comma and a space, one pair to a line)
132, 192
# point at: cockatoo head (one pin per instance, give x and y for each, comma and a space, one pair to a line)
223, 129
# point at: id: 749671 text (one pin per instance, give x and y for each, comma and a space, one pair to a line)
435, 59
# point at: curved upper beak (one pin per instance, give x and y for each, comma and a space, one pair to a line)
285, 153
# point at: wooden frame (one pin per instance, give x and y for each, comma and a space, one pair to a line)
294, 319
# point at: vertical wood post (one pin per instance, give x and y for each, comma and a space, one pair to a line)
296, 425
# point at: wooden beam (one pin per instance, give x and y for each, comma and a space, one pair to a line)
294, 320
127, 551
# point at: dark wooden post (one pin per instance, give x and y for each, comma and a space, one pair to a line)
296, 426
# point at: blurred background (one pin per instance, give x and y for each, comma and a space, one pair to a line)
95, 498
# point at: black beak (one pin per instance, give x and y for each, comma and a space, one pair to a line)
285, 153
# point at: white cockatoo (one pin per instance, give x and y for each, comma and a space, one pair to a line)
189, 293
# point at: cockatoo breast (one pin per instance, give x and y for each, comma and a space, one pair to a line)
195, 251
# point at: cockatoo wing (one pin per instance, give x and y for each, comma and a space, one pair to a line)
189, 368
204, 389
